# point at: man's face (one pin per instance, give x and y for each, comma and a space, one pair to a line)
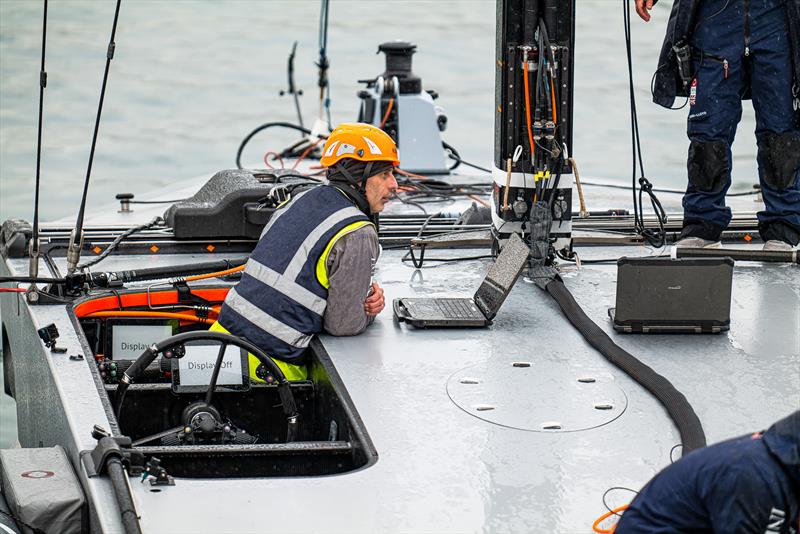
380, 189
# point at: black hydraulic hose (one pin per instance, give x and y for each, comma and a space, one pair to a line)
75, 245
122, 490
42, 85
679, 409
260, 129
157, 273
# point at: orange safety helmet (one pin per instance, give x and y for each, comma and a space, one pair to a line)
361, 142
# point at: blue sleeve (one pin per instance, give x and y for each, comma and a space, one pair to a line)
739, 499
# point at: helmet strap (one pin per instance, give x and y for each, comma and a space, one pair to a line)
355, 190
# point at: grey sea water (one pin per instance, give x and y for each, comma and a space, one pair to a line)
190, 78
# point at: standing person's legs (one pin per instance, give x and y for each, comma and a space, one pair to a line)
715, 110
777, 125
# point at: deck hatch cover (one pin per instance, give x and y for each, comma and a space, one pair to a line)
544, 396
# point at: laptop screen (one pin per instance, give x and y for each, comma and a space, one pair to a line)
501, 276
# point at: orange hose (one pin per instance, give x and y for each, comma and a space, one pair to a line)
553, 97
410, 174
305, 153
615, 511
277, 157
478, 200
12, 290
528, 105
163, 315
388, 110
215, 275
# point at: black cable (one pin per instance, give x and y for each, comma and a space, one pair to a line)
110, 248
42, 85
260, 129
653, 88
668, 191
609, 490
678, 408
418, 264
655, 238
671, 460
601, 261
109, 56
453, 154
409, 202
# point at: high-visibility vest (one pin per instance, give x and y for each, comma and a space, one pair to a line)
280, 301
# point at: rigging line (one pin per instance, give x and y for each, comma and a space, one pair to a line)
292, 89
323, 64
76, 238
34, 247
110, 248
653, 237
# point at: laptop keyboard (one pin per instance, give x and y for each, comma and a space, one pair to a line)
458, 308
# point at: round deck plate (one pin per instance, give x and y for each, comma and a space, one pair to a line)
547, 396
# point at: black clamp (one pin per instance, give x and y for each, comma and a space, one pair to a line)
185, 296
49, 334
109, 447
159, 475
683, 55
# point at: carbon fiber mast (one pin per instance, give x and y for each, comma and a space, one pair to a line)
76, 239
33, 270
533, 122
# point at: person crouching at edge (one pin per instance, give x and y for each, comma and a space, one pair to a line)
311, 270
749, 484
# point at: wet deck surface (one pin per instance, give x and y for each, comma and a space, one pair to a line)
445, 465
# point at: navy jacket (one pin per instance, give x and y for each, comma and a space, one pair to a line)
667, 84
749, 484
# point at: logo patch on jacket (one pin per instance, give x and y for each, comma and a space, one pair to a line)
693, 93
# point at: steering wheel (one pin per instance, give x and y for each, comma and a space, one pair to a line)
176, 342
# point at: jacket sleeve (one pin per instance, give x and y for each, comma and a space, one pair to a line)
350, 265
744, 498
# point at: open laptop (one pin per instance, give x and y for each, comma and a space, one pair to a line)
662, 295
469, 312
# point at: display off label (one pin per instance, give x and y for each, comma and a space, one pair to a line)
197, 366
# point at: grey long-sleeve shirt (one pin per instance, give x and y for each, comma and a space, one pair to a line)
350, 264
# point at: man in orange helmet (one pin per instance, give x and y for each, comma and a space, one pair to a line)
311, 270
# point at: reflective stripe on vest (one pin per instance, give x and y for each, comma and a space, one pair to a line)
290, 371
280, 302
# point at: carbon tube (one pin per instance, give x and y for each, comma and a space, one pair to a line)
778, 256
127, 511
679, 409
